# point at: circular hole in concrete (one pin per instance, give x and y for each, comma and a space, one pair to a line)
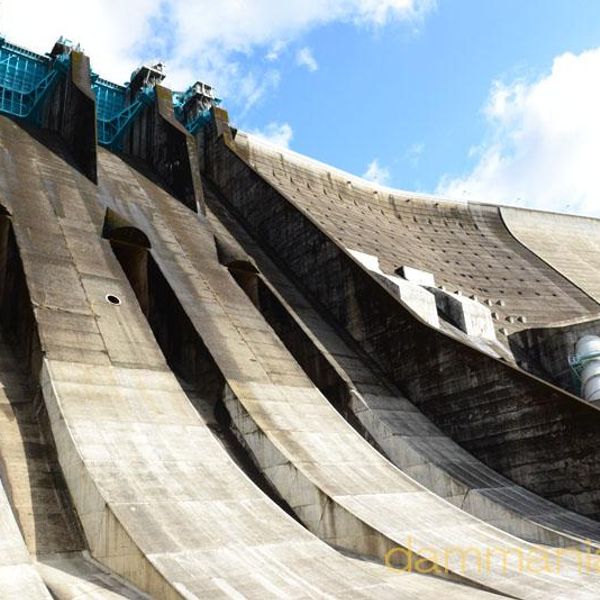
112, 299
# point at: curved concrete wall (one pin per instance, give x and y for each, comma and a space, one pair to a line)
160, 501
466, 246
530, 432
338, 485
380, 412
569, 244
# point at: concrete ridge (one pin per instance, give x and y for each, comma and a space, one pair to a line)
310, 162
339, 486
397, 427
161, 503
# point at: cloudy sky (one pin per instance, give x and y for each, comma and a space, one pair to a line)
495, 100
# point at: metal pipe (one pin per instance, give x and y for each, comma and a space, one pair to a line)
587, 353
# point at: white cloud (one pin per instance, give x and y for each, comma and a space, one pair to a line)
544, 141
252, 88
107, 29
376, 173
279, 134
275, 50
414, 153
305, 58
380, 12
198, 39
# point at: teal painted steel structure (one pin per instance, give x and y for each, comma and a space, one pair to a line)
27, 79
195, 120
113, 115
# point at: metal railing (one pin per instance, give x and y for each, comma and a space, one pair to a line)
27, 80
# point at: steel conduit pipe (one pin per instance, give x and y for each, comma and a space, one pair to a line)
587, 353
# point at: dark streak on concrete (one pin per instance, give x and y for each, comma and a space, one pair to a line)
538, 436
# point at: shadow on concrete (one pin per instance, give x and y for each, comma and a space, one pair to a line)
30, 471
184, 351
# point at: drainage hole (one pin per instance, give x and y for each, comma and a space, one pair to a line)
112, 299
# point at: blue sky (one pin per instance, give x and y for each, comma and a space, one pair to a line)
414, 100
489, 99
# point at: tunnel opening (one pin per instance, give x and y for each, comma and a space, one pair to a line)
186, 354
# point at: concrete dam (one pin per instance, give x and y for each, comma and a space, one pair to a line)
230, 371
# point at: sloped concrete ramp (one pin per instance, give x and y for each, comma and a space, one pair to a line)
389, 420
18, 576
160, 501
51, 549
341, 488
495, 411
569, 244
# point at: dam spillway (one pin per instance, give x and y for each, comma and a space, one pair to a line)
228, 370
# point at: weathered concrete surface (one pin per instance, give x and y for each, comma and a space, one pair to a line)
18, 577
416, 275
160, 501
166, 146
569, 244
465, 313
71, 112
422, 301
38, 498
29, 469
30, 472
382, 414
337, 484
532, 433
78, 577
467, 247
